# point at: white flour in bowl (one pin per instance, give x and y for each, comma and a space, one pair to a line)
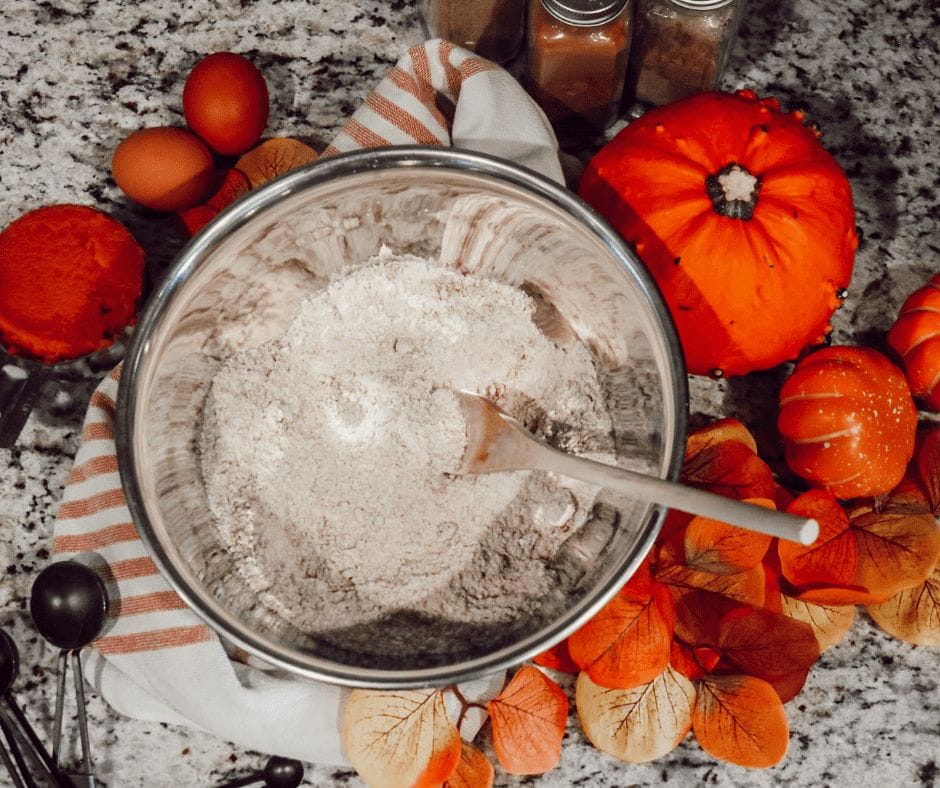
329, 454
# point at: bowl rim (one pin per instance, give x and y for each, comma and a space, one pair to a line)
239, 214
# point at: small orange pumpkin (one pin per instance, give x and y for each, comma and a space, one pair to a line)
915, 337
745, 221
848, 421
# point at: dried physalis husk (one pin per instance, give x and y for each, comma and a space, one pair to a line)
274, 157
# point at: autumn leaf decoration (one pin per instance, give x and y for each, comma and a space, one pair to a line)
406, 738
717, 629
721, 626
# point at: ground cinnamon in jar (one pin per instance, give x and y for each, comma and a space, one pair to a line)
491, 28
577, 60
680, 47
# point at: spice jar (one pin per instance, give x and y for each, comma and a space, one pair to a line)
577, 60
491, 28
680, 47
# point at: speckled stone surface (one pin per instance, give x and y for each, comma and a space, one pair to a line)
78, 75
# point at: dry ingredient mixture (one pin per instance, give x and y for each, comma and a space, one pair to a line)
329, 455
576, 72
678, 51
491, 28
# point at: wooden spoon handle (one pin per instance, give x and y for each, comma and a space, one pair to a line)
677, 496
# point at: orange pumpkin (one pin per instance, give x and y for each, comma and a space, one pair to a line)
743, 218
848, 421
915, 337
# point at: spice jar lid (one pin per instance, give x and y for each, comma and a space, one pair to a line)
584, 13
701, 5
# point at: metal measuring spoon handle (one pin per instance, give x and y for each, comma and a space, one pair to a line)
69, 604
278, 772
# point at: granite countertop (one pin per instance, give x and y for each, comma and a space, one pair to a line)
78, 75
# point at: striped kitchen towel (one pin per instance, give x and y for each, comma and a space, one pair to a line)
156, 660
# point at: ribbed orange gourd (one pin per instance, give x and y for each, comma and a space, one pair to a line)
847, 420
745, 221
915, 337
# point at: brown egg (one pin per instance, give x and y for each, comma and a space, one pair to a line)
164, 168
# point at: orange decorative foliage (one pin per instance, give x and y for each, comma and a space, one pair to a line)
740, 719
837, 595
627, 643
830, 623
528, 719
766, 644
730, 469
400, 739
914, 614
699, 615
474, 769
788, 687
833, 558
274, 157
898, 545
557, 658
748, 586
693, 663
640, 724
719, 432
234, 186
714, 546
928, 468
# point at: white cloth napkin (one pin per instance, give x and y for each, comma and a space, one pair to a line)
156, 659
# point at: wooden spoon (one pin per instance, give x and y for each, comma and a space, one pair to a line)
497, 442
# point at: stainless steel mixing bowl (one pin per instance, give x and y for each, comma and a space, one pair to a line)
240, 282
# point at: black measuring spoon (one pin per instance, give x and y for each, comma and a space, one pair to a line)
12, 717
69, 604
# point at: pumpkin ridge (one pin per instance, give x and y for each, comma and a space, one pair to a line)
828, 437
812, 396
919, 341
846, 480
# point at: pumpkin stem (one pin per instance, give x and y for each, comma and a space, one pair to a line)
733, 191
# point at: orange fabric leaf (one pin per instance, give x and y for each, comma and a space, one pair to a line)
782, 497
928, 467
528, 719
699, 615
274, 157
714, 546
557, 658
914, 614
747, 587
838, 595
772, 593
399, 739
833, 558
740, 719
234, 186
627, 643
474, 769
730, 469
640, 724
684, 659
788, 687
767, 644
829, 623
898, 547
719, 432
